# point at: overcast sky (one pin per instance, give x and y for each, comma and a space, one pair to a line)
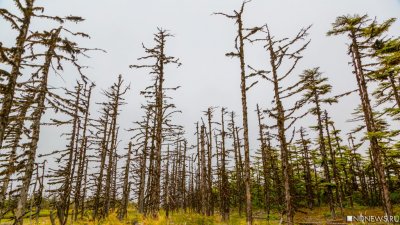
207, 76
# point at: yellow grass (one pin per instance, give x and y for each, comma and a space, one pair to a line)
320, 215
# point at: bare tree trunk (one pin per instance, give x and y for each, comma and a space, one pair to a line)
224, 175
238, 164
265, 158
155, 190
199, 195
247, 181
241, 192
40, 193
307, 170
85, 180
210, 195
10, 169
275, 171
346, 188
240, 41
123, 211
203, 185
161, 61
151, 169
64, 203
114, 189
183, 177
82, 155
192, 198
103, 156
110, 166
283, 143
334, 166
143, 165
35, 129
167, 185
16, 59
322, 149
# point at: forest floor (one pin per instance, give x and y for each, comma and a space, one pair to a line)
318, 216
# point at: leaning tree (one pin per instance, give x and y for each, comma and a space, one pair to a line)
363, 33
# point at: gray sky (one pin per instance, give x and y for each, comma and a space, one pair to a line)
207, 77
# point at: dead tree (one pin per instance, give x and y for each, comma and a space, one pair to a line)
71, 51
35, 127
82, 157
38, 197
265, 158
115, 101
107, 141
224, 190
142, 139
210, 194
238, 162
203, 180
103, 129
167, 196
199, 193
157, 54
14, 58
69, 174
85, 188
12, 165
280, 51
25, 55
243, 35
123, 210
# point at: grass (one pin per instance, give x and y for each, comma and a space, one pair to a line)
320, 215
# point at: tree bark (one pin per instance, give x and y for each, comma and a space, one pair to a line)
8, 97
370, 124
35, 129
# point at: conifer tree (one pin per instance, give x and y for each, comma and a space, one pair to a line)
316, 89
387, 75
304, 142
362, 33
